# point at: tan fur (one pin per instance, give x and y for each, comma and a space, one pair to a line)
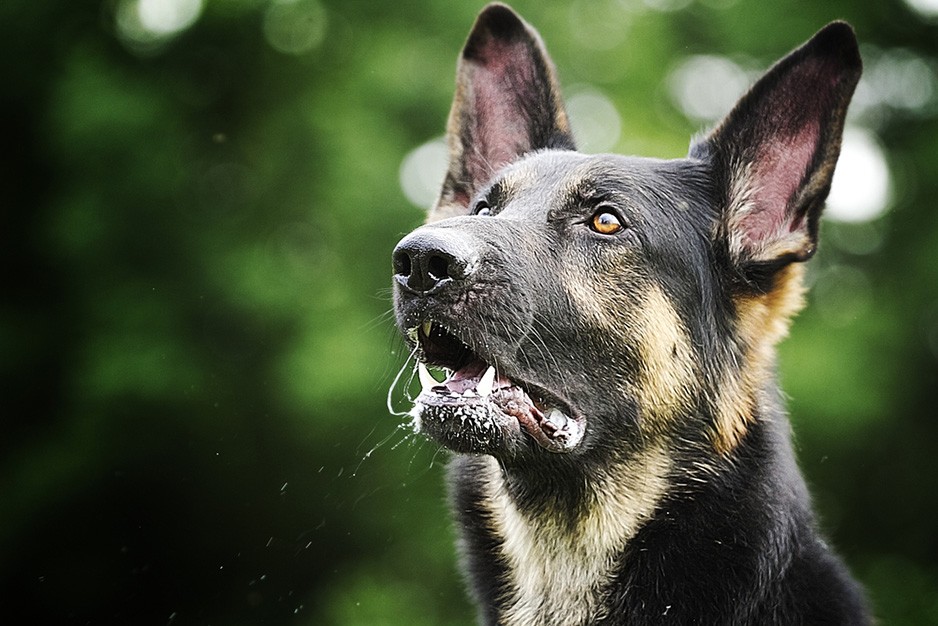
735, 405
601, 313
560, 574
668, 379
761, 322
646, 321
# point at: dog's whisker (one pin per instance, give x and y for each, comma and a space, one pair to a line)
398, 428
379, 320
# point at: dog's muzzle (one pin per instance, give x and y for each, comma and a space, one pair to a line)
481, 406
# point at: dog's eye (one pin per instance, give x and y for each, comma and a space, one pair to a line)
606, 223
482, 208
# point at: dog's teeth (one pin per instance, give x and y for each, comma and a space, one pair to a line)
556, 418
468, 393
484, 388
426, 327
427, 381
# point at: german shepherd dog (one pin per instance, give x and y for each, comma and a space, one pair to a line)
607, 325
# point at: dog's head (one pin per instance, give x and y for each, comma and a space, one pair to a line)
590, 302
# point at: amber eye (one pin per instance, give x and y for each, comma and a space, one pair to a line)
606, 223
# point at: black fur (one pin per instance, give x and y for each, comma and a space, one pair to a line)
629, 460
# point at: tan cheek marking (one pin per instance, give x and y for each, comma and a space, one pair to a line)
589, 302
762, 321
646, 321
669, 375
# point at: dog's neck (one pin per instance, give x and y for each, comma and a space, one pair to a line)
560, 536
561, 558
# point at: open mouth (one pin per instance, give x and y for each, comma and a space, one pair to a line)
478, 408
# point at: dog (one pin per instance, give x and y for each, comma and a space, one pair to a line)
607, 326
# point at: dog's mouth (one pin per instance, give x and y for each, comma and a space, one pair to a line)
479, 408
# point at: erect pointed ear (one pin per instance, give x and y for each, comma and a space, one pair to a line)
774, 154
507, 104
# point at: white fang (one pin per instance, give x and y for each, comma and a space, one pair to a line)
427, 381
484, 388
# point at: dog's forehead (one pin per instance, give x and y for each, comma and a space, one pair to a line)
553, 176
552, 169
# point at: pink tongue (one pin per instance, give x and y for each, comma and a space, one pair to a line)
468, 378
465, 378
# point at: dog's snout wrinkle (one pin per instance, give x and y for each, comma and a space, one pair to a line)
429, 259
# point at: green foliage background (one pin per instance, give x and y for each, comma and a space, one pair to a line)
195, 338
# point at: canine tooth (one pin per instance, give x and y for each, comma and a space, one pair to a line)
426, 327
484, 388
468, 393
427, 381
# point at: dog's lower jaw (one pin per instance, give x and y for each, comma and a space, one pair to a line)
558, 557
478, 410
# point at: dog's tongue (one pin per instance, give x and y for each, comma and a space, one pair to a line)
466, 378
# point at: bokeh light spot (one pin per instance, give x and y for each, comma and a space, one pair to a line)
422, 172
904, 80
894, 80
925, 8
295, 26
144, 26
167, 17
861, 187
857, 238
705, 87
595, 121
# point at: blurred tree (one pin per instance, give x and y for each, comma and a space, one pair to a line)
199, 200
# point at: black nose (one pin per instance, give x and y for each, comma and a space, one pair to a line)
431, 258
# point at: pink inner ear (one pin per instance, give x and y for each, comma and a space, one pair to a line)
778, 172
503, 87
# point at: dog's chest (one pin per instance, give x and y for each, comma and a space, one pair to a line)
560, 574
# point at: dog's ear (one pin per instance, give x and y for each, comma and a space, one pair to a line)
774, 154
507, 104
